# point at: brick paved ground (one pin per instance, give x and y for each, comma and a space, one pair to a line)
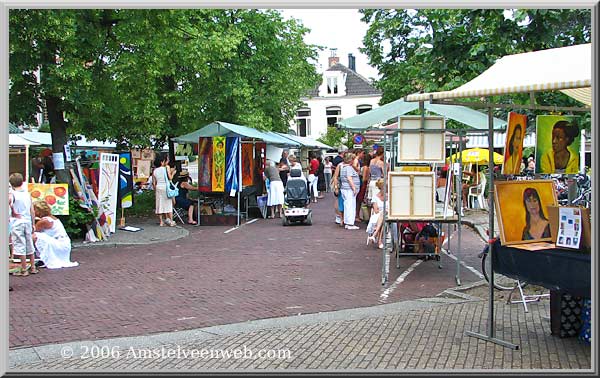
426, 339
262, 270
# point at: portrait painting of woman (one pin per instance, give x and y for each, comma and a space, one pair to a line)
557, 145
522, 212
513, 151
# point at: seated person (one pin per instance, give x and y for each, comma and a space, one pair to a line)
182, 200
426, 239
51, 239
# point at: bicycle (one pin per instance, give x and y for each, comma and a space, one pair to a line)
501, 282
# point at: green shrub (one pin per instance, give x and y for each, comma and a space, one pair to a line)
143, 204
76, 222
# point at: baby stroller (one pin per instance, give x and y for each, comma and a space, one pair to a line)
295, 200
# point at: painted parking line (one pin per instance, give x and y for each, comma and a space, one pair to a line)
386, 293
469, 267
235, 228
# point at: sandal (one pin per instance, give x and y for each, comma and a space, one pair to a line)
34, 271
21, 273
193, 222
172, 223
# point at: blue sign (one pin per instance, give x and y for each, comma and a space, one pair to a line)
358, 139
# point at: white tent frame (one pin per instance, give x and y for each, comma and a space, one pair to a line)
484, 90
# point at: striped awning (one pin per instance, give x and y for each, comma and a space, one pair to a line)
568, 69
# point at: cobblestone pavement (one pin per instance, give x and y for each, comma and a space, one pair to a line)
261, 270
429, 339
203, 280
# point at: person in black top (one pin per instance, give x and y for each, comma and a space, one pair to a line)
182, 199
284, 167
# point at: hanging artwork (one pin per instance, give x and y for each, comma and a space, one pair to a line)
55, 195
260, 160
522, 210
247, 164
109, 187
232, 182
513, 150
143, 169
557, 144
218, 166
125, 180
204, 164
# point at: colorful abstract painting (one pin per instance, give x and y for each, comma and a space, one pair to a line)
558, 140
125, 180
513, 150
108, 187
218, 166
247, 164
204, 164
55, 195
232, 175
260, 160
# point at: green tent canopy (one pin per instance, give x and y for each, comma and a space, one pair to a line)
219, 128
462, 114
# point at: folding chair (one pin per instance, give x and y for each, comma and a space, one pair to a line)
177, 212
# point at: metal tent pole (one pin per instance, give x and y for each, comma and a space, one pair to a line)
491, 336
459, 205
239, 192
384, 270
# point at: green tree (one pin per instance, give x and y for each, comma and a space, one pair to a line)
440, 49
334, 137
139, 77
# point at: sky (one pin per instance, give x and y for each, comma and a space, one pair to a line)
335, 28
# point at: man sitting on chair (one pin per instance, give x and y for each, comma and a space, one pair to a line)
182, 199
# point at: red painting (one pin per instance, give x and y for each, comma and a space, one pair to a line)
247, 164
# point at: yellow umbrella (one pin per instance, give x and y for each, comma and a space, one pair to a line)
477, 156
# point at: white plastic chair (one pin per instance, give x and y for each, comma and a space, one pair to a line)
477, 193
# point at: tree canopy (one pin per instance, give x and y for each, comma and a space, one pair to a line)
135, 75
441, 49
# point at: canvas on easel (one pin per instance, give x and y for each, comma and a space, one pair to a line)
411, 195
421, 147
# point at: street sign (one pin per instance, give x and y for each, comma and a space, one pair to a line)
357, 146
358, 139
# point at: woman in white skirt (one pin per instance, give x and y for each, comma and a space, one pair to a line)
275, 189
376, 220
51, 239
163, 204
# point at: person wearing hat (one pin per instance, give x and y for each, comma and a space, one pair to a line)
182, 200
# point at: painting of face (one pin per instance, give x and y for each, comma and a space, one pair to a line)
522, 210
558, 141
513, 149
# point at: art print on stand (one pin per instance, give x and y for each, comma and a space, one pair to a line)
521, 208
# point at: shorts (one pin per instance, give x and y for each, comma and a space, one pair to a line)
22, 240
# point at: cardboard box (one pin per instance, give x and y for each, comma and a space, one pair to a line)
586, 235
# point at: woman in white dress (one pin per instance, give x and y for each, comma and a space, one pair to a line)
163, 204
275, 190
51, 239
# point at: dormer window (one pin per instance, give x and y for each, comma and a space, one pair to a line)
332, 85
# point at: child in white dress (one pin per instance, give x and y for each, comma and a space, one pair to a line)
374, 226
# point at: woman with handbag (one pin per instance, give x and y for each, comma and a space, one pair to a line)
161, 177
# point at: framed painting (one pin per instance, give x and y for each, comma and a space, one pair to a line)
521, 208
420, 147
411, 195
513, 149
558, 140
55, 195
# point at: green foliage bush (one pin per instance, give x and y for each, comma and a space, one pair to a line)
76, 222
143, 204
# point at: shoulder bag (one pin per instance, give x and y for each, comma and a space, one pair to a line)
172, 189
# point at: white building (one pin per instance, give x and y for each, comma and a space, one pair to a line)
343, 93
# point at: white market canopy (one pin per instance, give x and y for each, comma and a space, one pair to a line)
568, 69
18, 140
46, 139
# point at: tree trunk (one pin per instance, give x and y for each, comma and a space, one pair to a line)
58, 129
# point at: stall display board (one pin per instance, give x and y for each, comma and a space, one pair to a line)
411, 195
421, 147
108, 187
